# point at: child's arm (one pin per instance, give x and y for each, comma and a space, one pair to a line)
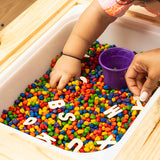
88, 28
143, 74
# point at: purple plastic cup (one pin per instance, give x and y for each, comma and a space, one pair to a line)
115, 62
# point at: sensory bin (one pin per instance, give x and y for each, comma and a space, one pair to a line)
86, 103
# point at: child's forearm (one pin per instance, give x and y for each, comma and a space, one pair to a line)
87, 29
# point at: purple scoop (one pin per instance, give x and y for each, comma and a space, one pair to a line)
115, 62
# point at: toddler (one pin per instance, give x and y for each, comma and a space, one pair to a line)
144, 71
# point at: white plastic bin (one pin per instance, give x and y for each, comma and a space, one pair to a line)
125, 32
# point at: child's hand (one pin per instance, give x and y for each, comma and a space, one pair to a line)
65, 69
143, 74
88, 28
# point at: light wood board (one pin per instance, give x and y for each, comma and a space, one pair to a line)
19, 35
10, 9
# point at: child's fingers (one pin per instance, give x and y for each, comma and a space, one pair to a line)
63, 81
54, 80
